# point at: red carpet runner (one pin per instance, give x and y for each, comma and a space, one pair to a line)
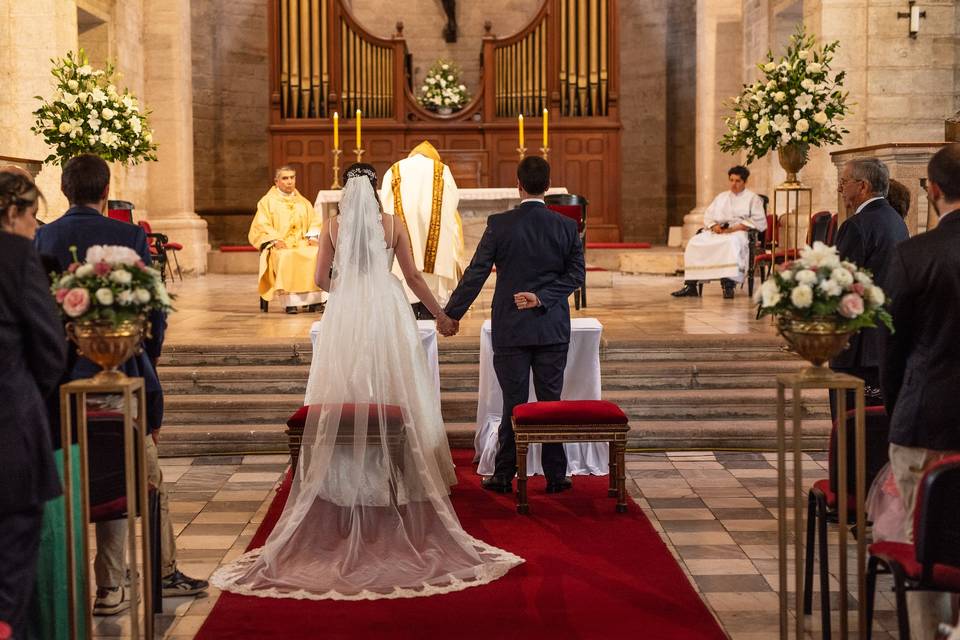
589, 573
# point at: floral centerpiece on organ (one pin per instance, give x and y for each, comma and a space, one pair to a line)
89, 114
820, 301
106, 299
442, 90
798, 102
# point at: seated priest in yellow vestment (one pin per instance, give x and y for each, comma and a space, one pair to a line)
420, 191
285, 230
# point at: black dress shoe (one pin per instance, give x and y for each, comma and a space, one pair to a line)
556, 486
689, 290
500, 485
728, 287
291, 310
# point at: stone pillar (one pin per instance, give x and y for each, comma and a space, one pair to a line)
719, 55
168, 91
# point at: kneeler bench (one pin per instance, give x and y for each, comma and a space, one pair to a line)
395, 435
572, 421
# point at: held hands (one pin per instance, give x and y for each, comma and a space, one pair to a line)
446, 325
526, 300
279, 244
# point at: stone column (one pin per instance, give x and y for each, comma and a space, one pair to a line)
719, 55
168, 92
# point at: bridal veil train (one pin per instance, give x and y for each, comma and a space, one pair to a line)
369, 514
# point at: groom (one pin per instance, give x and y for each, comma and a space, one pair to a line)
539, 264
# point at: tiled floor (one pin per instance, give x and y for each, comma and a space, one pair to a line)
716, 511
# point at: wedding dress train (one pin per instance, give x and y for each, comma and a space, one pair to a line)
369, 514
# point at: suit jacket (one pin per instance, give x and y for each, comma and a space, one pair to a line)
84, 227
868, 240
920, 376
34, 354
534, 249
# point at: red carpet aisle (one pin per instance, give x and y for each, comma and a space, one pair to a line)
589, 573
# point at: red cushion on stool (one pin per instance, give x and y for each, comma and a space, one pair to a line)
569, 412
176, 246
393, 414
944, 576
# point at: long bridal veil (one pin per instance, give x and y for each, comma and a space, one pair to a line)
368, 515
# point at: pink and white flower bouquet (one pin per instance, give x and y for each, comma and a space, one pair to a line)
112, 284
820, 286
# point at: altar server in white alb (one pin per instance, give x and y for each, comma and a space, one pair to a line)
421, 192
721, 250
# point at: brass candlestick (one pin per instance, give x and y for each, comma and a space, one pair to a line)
545, 152
522, 151
359, 153
336, 169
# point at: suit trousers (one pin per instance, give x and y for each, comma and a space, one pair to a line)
108, 566
512, 366
19, 548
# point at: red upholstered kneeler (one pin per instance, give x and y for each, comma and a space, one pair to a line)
572, 421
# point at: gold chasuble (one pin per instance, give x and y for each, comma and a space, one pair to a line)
421, 192
290, 219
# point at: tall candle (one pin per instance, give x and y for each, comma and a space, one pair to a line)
520, 127
546, 115
336, 130
358, 129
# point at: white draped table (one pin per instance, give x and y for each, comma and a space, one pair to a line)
581, 381
428, 338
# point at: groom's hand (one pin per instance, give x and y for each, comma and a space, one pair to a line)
447, 325
526, 300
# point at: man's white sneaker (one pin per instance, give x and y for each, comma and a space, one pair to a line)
110, 601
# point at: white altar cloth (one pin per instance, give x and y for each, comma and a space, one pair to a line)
428, 338
581, 381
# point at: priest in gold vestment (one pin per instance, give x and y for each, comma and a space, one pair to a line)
285, 230
421, 192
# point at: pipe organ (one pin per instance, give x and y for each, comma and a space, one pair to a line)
565, 61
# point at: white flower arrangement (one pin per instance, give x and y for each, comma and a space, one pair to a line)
88, 114
442, 87
819, 285
112, 284
795, 102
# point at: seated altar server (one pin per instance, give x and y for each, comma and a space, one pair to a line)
421, 192
721, 251
285, 230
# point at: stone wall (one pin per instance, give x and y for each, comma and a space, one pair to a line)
681, 108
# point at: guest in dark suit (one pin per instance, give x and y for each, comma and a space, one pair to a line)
867, 238
34, 348
920, 374
86, 182
539, 263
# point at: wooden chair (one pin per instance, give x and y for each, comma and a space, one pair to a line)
757, 241
121, 210
162, 245
572, 421
832, 230
574, 207
822, 501
932, 561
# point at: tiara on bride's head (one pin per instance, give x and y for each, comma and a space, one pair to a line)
361, 170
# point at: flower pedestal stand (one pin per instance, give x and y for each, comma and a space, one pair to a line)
134, 413
819, 377
790, 200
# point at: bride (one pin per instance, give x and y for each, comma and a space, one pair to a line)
369, 514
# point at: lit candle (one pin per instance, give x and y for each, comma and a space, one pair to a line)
358, 129
546, 115
336, 130
520, 127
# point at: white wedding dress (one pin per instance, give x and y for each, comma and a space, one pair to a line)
369, 514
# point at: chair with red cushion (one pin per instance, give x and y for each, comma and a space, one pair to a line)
121, 210
932, 561
574, 207
832, 230
572, 421
823, 503
395, 430
163, 245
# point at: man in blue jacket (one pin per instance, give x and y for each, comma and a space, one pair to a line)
86, 183
539, 263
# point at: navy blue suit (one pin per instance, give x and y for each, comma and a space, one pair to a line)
83, 227
537, 250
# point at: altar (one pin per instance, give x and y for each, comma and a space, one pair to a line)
475, 206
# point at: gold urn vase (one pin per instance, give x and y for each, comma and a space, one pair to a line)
816, 340
793, 157
107, 345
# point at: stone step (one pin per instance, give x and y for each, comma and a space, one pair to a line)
461, 406
616, 374
223, 439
